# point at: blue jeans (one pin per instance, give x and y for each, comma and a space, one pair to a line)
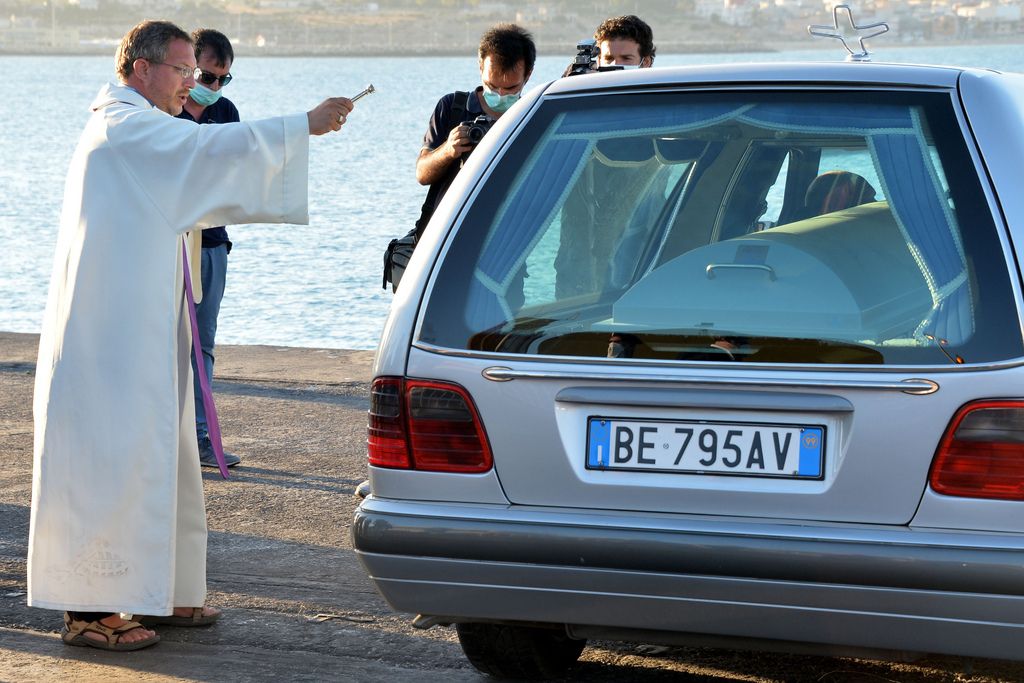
214, 273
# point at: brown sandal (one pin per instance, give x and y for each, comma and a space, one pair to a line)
197, 618
75, 630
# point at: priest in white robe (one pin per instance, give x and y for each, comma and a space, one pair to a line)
118, 521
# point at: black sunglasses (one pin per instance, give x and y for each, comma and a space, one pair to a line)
207, 78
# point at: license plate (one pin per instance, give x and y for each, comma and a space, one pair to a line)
701, 447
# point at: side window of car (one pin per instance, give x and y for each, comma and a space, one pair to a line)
746, 200
539, 285
595, 242
775, 197
941, 175
856, 161
799, 192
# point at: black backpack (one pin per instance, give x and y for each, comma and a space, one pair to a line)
399, 250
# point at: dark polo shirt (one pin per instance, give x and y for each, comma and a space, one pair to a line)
442, 121
221, 111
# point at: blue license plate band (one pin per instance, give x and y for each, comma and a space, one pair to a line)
810, 452
599, 443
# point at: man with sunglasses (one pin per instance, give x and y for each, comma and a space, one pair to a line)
205, 104
118, 519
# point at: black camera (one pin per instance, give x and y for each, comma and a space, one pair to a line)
479, 127
585, 61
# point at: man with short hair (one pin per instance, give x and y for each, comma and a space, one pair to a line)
625, 41
206, 104
118, 522
506, 58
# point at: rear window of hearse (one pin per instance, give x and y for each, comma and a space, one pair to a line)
789, 227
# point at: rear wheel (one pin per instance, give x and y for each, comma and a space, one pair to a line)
518, 652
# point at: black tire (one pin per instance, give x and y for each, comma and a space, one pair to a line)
518, 652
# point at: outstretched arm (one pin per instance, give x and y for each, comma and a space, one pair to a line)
329, 115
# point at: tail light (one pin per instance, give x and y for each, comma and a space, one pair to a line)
982, 452
425, 425
386, 440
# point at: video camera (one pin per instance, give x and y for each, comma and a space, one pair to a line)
587, 53
585, 61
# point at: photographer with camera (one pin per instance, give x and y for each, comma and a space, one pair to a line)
460, 120
625, 42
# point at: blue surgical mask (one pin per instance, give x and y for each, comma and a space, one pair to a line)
627, 67
500, 103
203, 96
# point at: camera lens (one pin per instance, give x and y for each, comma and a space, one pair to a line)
478, 128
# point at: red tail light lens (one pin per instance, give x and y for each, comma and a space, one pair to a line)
444, 429
387, 442
425, 425
982, 452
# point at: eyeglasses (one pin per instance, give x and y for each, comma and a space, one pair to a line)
184, 71
207, 78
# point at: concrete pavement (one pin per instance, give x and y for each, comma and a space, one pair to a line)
297, 604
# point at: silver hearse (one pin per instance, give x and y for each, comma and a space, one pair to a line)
725, 354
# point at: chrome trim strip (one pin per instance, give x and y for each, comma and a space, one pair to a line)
735, 86
919, 387
674, 364
773, 74
705, 398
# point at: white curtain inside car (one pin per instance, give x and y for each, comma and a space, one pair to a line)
894, 134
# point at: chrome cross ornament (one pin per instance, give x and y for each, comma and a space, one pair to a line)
846, 30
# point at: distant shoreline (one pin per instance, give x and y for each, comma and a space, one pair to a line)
543, 50
246, 51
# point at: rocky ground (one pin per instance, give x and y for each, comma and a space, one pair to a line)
298, 606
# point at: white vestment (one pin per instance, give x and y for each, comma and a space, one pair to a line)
118, 521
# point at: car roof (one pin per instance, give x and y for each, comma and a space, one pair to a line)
831, 73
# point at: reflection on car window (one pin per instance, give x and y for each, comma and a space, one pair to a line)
857, 161
594, 241
774, 197
804, 228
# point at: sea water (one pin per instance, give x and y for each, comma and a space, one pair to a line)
316, 285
